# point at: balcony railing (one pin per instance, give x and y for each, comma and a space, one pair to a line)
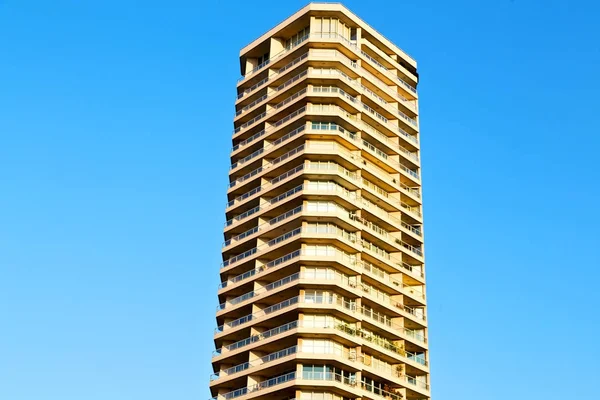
257, 338
374, 208
258, 152
331, 166
271, 286
261, 268
259, 361
266, 166
385, 139
338, 325
386, 344
383, 68
398, 165
278, 380
334, 188
303, 299
380, 392
253, 251
275, 57
380, 274
267, 130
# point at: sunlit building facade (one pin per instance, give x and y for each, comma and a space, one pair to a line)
322, 293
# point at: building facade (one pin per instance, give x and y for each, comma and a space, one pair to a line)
322, 293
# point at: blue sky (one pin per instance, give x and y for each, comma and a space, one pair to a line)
110, 238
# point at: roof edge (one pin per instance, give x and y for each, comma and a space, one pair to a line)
320, 6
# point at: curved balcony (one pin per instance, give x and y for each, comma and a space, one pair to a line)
276, 75
277, 56
269, 358
382, 68
302, 301
264, 99
262, 386
271, 129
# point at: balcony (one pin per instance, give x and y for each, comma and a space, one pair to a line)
386, 217
260, 228
277, 56
271, 333
381, 275
413, 175
275, 93
269, 383
334, 326
294, 302
271, 112
269, 130
388, 73
278, 355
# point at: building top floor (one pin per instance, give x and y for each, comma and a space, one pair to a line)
320, 19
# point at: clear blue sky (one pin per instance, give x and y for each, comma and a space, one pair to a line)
110, 236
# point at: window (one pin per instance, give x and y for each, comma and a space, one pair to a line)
318, 296
319, 273
332, 27
264, 58
320, 250
318, 321
297, 38
330, 126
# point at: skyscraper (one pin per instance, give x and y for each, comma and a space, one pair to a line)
323, 287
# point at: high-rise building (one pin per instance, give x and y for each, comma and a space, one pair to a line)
323, 286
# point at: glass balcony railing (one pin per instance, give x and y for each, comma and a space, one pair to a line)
389, 73
277, 179
375, 209
263, 132
398, 165
266, 166
275, 57
329, 376
271, 286
254, 210
303, 299
257, 338
348, 329
259, 361
272, 111
330, 229
253, 251
380, 274
278, 380
265, 97
385, 394
386, 140
258, 152
261, 268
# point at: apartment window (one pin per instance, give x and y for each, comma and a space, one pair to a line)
297, 38
320, 346
324, 126
321, 396
320, 250
321, 228
318, 321
324, 206
319, 273
264, 58
332, 27
328, 186
318, 297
